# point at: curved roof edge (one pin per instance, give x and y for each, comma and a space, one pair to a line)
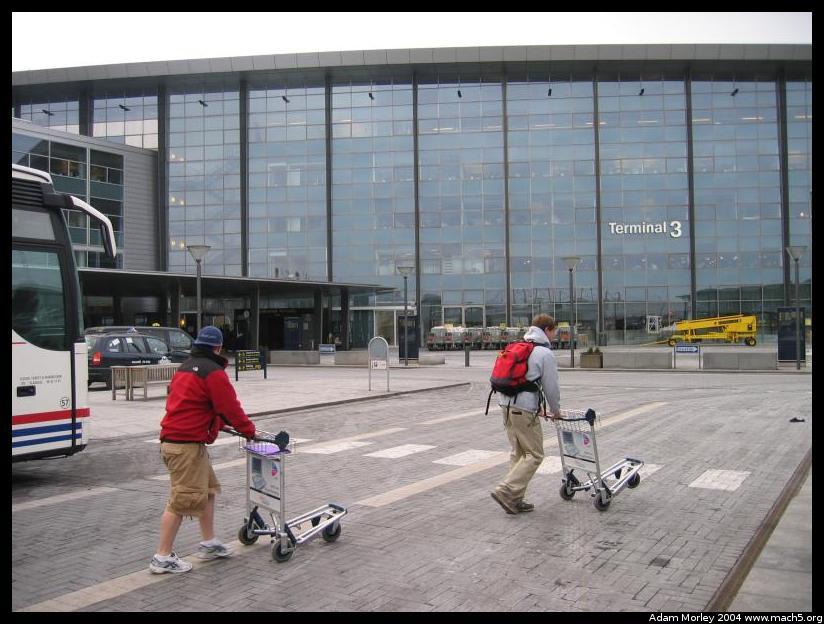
425, 56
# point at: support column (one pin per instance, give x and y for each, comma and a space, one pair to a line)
174, 297
254, 318
344, 319
117, 310
599, 324
244, 179
690, 191
507, 250
783, 158
317, 321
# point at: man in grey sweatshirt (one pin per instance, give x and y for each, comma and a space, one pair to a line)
521, 413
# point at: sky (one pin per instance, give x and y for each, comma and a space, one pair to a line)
54, 40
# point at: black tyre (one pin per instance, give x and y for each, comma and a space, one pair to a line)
332, 532
566, 492
634, 480
278, 554
672, 342
750, 341
244, 537
599, 505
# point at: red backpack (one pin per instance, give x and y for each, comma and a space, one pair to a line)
509, 373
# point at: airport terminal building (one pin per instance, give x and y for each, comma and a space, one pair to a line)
670, 177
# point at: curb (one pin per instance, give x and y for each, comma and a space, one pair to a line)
691, 370
355, 400
731, 585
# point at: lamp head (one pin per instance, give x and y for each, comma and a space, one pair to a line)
796, 251
198, 251
571, 262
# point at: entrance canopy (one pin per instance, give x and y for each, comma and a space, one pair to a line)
172, 286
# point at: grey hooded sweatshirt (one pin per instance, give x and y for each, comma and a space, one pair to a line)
540, 366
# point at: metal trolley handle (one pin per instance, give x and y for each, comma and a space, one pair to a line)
281, 439
589, 416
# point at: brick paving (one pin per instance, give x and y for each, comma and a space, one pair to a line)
661, 546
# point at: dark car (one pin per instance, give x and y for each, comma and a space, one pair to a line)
178, 340
125, 348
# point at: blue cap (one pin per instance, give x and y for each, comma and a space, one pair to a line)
209, 336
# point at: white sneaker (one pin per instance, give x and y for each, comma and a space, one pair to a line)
213, 552
173, 565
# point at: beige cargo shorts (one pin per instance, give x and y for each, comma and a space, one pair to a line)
192, 478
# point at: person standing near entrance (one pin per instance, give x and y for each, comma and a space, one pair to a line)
201, 401
521, 417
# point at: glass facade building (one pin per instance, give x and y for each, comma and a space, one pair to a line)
676, 182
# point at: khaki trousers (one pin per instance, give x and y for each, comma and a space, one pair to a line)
526, 437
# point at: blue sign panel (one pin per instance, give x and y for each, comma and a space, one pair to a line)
686, 348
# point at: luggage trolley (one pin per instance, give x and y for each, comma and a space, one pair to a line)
576, 442
266, 489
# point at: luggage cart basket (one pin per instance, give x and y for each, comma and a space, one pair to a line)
576, 442
266, 490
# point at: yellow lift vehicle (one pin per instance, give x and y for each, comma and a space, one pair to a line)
727, 328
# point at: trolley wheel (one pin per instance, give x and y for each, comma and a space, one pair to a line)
278, 554
600, 506
332, 532
634, 480
672, 342
566, 492
750, 341
244, 537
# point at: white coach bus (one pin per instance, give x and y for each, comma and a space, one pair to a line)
49, 368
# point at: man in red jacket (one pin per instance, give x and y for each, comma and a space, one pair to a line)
201, 401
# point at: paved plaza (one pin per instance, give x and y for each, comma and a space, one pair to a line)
414, 466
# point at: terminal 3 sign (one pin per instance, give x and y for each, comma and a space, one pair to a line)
673, 228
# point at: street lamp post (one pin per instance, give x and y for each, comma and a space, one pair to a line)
405, 270
795, 252
198, 253
571, 262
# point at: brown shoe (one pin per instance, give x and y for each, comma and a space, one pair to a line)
523, 506
508, 507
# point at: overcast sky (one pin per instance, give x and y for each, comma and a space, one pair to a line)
49, 39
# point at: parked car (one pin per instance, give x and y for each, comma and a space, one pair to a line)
177, 339
125, 348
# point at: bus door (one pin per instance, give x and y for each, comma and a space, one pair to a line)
49, 371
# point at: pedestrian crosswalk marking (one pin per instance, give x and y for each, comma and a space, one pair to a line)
337, 447
729, 480
648, 469
400, 451
471, 456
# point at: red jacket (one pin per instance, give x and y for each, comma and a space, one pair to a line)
202, 400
